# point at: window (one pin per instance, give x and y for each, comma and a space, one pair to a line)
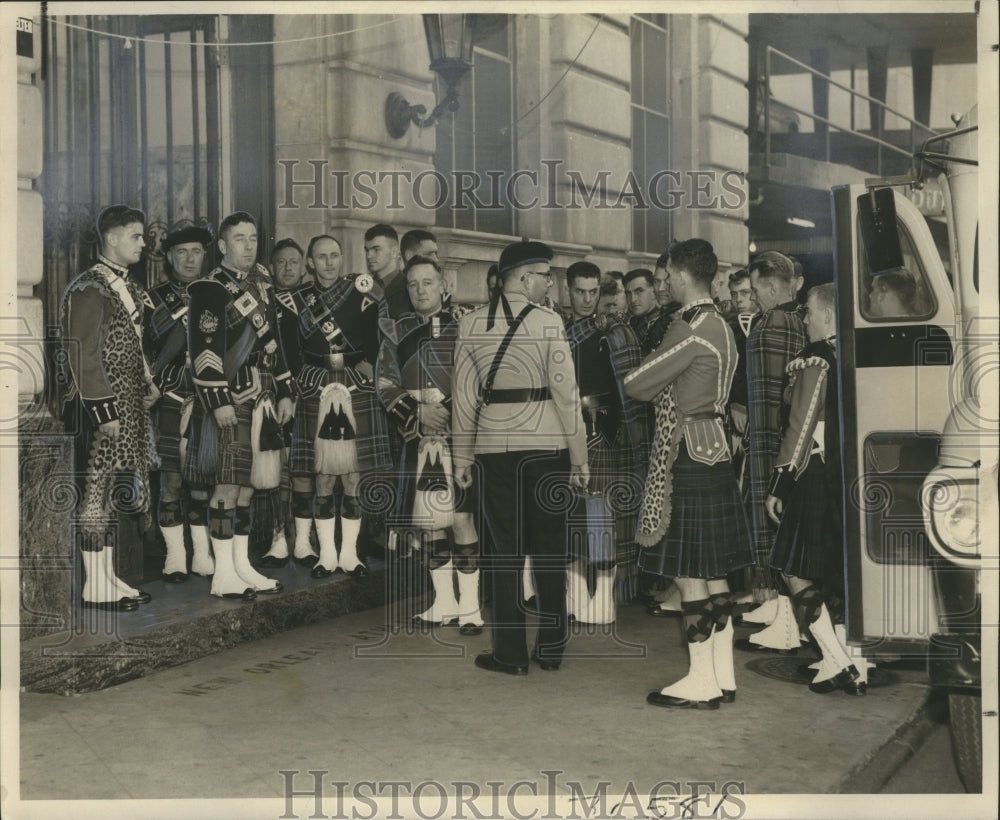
650, 123
479, 137
896, 465
898, 296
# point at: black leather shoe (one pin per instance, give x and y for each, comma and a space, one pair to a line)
746, 645
490, 664
470, 629
174, 577
121, 605
359, 573
659, 699
272, 562
141, 598
278, 586
246, 595
319, 571
806, 672
548, 666
843, 679
728, 696
657, 612
308, 561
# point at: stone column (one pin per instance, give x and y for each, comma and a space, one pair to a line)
45, 460
590, 131
710, 114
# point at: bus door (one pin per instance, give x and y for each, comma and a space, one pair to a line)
896, 331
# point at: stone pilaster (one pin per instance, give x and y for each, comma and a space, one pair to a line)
709, 112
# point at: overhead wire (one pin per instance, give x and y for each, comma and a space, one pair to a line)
156, 41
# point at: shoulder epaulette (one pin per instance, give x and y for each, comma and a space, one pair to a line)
801, 363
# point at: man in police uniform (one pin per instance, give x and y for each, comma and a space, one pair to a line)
692, 524
516, 415
415, 368
618, 434
109, 392
166, 343
246, 393
776, 336
330, 331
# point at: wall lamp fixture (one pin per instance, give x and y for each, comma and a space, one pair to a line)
449, 41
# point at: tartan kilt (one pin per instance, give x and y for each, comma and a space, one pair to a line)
466, 498
167, 428
609, 511
708, 536
219, 456
372, 434
808, 543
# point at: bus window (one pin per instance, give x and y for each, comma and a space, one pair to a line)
897, 296
896, 465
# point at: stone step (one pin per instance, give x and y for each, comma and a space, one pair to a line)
184, 622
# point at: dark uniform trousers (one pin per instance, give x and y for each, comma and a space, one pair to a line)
526, 496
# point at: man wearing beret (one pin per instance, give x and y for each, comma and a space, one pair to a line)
109, 392
516, 417
245, 392
166, 344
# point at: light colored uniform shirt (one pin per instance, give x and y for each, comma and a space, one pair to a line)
538, 357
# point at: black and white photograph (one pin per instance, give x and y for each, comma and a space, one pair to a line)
455, 410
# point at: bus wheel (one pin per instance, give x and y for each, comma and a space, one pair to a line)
966, 719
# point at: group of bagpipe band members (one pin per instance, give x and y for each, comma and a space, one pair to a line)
359, 367
253, 378
265, 356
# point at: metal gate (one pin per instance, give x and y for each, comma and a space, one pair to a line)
132, 111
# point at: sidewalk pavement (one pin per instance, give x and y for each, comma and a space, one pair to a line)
343, 697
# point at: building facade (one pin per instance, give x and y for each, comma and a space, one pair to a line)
604, 135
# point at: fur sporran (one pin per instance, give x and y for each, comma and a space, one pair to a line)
336, 432
434, 499
265, 440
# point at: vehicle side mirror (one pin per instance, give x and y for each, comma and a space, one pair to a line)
877, 214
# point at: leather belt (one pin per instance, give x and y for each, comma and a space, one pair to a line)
519, 395
703, 416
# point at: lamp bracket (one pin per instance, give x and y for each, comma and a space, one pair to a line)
399, 114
